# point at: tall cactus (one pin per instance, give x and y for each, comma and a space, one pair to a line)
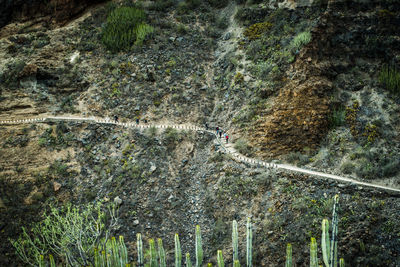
188, 261
249, 243
153, 254
123, 251
199, 248
325, 242
220, 259
161, 253
178, 252
313, 253
52, 262
140, 250
235, 243
333, 252
341, 262
289, 262
236, 263
114, 249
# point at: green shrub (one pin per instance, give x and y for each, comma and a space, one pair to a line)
389, 76
301, 40
142, 31
242, 146
69, 233
337, 117
297, 158
125, 26
347, 167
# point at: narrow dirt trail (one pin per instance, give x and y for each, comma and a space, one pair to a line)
228, 148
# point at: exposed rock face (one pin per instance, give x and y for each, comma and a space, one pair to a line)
60, 10
299, 117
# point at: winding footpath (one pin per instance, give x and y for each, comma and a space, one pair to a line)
228, 149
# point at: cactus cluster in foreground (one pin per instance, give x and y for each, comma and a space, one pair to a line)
114, 253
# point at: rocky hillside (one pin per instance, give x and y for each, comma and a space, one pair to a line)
294, 81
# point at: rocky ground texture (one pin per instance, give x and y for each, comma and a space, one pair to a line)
205, 63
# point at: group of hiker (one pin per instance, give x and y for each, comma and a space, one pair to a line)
116, 119
219, 132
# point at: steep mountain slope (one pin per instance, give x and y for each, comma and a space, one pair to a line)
207, 62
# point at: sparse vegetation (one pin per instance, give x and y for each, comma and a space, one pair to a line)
389, 77
125, 27
301, 40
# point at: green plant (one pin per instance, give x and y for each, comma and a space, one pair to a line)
256, 30
125, 26
142, 32
389, 76
249, 243
220, 259
301, 40
178, 252
199, 248
188, 261
153, 254
313, 253
235, 243
337, 117
289, 256
139, 244
238, 79
70, 233
242, 146
161, 253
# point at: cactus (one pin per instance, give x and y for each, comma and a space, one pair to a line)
325, 243
114, 249
161, 253
103, 258
235, 243
52, 262
153, 254
188, 261
96, 257
199, 248
220, 259
249, 243
313, 253
178, 252
289, 256
140, 250
123, 251
333, 251
42, 263
341, 262
236, 263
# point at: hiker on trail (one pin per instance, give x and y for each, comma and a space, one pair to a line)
220, 133
206, 126
145, 120
217, 129
137, 121
226, 137
115, 118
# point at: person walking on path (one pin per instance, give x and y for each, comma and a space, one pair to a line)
220, 133
137, 121
206, 126
226, 137
115, 118
145, 120
217, 129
